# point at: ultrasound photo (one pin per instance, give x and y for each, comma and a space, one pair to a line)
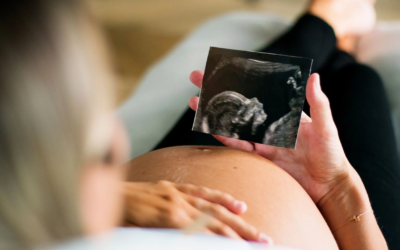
252, 96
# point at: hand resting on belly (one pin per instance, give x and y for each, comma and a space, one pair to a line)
277, 204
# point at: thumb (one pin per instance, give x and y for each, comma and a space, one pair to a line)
320, 109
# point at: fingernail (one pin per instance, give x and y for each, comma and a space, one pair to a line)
263, 238
241, 206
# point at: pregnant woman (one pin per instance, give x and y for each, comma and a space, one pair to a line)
61, 150
317, 202
345, 170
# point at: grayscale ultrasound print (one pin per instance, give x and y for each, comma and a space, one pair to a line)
252, 96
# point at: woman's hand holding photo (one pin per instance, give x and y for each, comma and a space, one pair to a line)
318, 163
321, 167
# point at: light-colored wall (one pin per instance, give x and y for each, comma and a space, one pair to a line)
141, 31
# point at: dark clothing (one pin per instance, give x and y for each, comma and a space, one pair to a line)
360, 110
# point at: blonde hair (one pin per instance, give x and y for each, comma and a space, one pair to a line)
54, 101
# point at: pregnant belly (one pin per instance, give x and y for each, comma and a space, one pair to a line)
277, 204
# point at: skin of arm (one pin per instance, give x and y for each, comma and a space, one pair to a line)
321, 167
348, 199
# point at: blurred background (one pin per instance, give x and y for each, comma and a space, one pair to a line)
140, 32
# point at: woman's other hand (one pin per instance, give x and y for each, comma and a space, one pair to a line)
318, 163
169, 205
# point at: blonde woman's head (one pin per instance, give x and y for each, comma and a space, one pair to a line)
59, 144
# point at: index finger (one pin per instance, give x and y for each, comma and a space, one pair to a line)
213, 196
231, 221
236, 143
196, 77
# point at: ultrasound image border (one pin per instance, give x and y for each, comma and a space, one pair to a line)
242, 117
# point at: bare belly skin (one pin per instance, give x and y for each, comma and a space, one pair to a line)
277, 204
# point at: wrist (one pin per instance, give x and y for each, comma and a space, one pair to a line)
346, 199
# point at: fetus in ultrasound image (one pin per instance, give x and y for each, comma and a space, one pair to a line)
231, 114
251, 96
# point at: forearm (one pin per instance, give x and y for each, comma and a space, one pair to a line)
350, 199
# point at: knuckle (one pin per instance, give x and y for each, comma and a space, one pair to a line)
164, 183
173, 216
169, 192
168, 212
253, 232
190, 186
202, 190
197, 203
224, 229
325, 102
187, 188
226, 197
217, 210
177, 220
172, 197
205, 192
